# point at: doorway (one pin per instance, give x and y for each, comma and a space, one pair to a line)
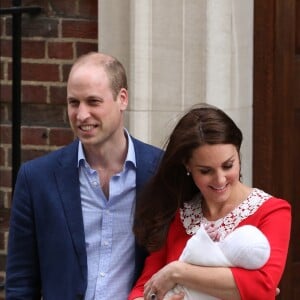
276, 116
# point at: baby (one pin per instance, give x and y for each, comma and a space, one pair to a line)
245, 247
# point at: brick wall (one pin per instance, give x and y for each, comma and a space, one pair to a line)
50, 43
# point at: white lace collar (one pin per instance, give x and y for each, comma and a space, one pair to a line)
192, 217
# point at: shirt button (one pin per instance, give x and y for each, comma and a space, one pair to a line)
95, 183
102, 274
106, 243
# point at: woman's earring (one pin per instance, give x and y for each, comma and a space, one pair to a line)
188, 173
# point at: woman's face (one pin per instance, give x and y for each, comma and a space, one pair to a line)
215, 170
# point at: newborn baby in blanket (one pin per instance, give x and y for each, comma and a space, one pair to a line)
245, 247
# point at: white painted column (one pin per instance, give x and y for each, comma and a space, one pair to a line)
140, 69
218, 52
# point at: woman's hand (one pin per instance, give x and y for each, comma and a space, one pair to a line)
161, 282
179, 296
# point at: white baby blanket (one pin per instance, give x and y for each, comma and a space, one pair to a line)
245, 247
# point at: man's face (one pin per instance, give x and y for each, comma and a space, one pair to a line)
94, 115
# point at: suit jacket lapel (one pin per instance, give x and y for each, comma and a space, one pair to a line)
68, 185
146, 162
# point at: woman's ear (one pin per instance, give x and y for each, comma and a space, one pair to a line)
188, 172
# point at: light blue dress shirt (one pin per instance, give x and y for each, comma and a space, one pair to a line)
108, 228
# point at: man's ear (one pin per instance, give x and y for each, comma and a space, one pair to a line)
123, 98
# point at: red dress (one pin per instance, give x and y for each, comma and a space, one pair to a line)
271, 215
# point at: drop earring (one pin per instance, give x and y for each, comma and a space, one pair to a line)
188, 173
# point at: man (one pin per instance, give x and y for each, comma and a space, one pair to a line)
73, 209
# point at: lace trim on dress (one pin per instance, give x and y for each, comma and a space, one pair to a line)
192, 216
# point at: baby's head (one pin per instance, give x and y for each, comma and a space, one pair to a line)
246, 247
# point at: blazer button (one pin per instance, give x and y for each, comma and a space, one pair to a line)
79, 297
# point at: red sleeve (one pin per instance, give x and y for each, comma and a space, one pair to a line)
273, 218
154, 262
176, 240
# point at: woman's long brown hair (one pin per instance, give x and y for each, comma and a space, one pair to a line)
171, 187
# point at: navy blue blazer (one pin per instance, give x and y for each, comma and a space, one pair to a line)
46, 248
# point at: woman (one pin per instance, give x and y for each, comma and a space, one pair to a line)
199, 182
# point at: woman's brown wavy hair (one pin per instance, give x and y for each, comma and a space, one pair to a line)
171, 187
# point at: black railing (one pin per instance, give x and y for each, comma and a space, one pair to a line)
16, 11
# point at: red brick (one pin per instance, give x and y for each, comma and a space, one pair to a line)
2, 239
5, 199
9, 71
63, 7
43, 4
5, 113
6, 47
44, 115
33, 49
5, 178
34, 136
2, 26
37, 26
2, 198
5, 134
28, 154
65, 72
61, 136
2, 156
60, 50
5, 93
83, 48
2, 69
34, 94
7, 26
88, 9
79, 29
4, 221
6, 3
9, 159
40, 72
8, 199
58, 95
4, 21
2, 261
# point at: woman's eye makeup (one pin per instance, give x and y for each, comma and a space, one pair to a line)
226, 166
204, 171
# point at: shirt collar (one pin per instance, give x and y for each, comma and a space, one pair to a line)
130, 157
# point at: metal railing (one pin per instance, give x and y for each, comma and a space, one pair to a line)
16, 11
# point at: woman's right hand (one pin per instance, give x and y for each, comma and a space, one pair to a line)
179, 296
161, 282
